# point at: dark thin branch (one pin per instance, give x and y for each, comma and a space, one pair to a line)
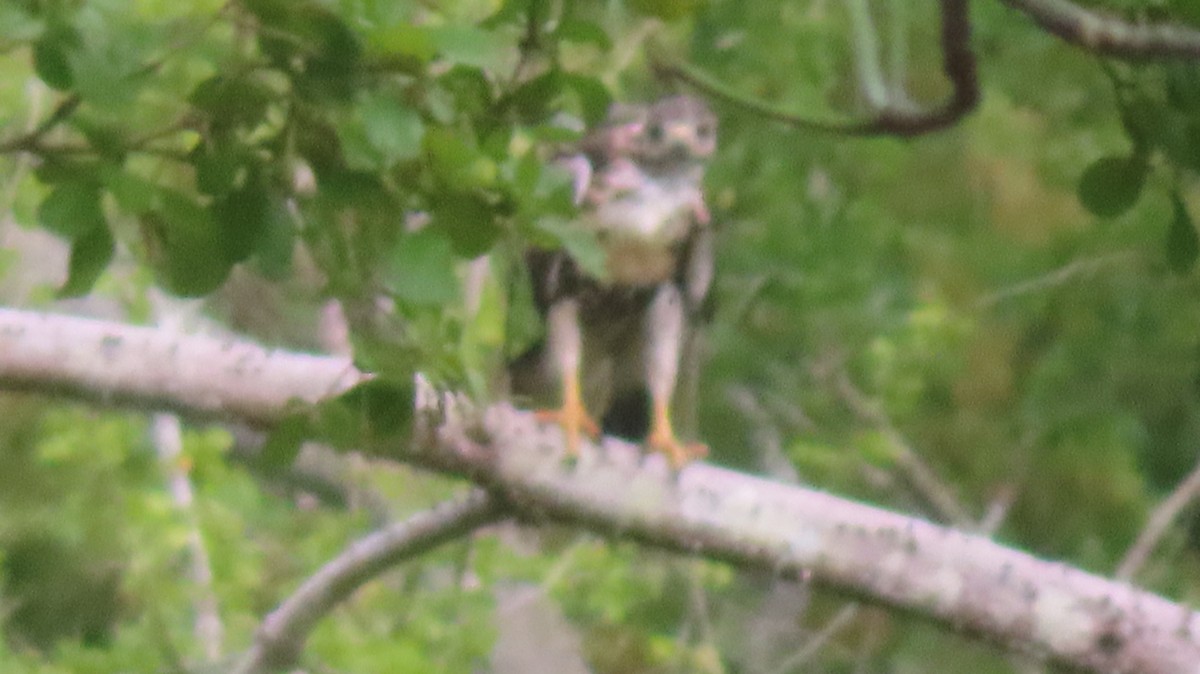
958, 62
938, 497
1077, 270
282, 635
318, 471
1108, 35
804, 656
1159, 522
65, 108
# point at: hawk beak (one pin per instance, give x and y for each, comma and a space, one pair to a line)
680, 135
682, 141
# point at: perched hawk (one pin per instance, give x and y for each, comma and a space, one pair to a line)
620, 338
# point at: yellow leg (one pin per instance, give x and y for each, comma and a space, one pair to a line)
664, 338
573, 417
662, 438
565, 340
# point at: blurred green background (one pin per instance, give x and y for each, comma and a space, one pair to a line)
1011, 303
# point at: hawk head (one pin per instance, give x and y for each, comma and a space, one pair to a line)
674, 133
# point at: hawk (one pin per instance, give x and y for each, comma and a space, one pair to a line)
609, 339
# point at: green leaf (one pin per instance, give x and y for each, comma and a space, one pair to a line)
593, 97
336, 424
526, 171
470, 90
278, 243
1182, 243
194, 256
421, 269
232, 101
667, 10
133, 194
376, 410
392, 128
516, 10
385, 404
1112, 185
72, 210
405, 40
533, 99
523, 324
319, 51
580, 242
59, 169
107, 76
1187, 153
51, 61
284, 441
584, 32
356, 151
469, 45
1187, 10
108, 139
218, 168
1183, 85
541, 189
18, 25
90, 256
241, 215
468, 222
1152, 124
460, 166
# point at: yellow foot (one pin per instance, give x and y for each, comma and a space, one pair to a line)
679, 454
574, 421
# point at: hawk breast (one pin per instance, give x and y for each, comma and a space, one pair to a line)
643, 230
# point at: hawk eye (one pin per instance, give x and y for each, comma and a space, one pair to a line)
655, 133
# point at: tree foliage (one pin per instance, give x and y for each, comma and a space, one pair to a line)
1009, 302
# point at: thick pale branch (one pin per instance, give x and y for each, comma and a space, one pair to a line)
964, 581
282, 635
1110, 35
205, 376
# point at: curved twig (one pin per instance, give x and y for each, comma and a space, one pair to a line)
958, 62
282, 634
1156, 526
1109, 35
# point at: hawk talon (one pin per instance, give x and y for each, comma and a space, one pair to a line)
678, 453
574, 421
